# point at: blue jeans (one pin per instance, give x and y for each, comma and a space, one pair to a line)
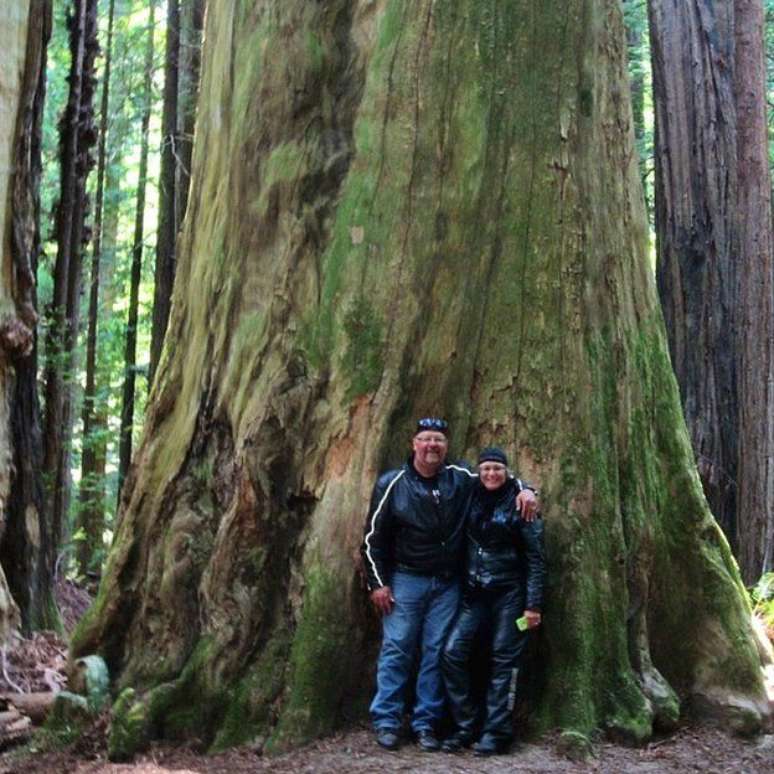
424, 608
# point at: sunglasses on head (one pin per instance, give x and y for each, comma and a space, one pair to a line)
432, 423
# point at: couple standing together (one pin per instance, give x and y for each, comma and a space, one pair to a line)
423, 519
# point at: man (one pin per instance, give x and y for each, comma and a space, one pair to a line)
412, 555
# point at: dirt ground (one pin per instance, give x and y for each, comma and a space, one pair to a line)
691, 749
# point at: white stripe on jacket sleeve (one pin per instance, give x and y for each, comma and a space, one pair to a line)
373, 527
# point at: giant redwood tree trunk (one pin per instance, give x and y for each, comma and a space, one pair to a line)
401, 207
755, 301
695, 137
25, 531
713, 225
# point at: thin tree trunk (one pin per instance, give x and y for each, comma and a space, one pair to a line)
92, 510
755, 301
191, 20
77, 137
167, 229
130, 350
401, 208
636, 13
25, 532
696, 189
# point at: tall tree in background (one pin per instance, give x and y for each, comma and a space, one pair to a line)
427, 206
755, 298
91, 514
130, 349
77, 137
191, 20
181, 81
636, 20
26, 543
711, 264
168, 191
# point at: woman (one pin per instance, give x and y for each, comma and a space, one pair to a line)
504, 582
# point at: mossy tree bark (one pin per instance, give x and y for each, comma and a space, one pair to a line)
26, 545
418, 206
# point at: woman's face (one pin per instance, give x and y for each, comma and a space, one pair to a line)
492, 474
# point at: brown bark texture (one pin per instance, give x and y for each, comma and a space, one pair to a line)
714, 266
25, 537
130, 346
755, 299
191, 22
167, 229
695, 139
401, 208
78, 135
91, 511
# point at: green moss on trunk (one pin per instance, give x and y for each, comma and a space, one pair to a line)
320, 660
467, 168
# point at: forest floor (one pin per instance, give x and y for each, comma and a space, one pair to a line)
38, 664
690, 749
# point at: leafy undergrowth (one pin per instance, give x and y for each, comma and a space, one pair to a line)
689, 749
763, 601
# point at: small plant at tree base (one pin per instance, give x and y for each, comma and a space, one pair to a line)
763, 602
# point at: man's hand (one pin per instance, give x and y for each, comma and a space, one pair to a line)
533, 618
383, 600
527, 503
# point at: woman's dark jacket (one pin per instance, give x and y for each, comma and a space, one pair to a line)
504, 550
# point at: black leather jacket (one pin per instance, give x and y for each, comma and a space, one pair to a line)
415, 523
503, 550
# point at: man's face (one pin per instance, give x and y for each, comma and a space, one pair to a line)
492, 475
430, 448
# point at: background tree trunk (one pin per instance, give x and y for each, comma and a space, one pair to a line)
696, 177
130, 350
168, 193
25, 537
755, 301
91, 513
421, 206
713, 216
191, 20
77, 137
636, 18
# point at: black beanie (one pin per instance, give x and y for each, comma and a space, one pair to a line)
493, 454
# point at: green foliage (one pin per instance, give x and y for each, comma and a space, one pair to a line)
128, 727
122, 159
641, 83
763, 601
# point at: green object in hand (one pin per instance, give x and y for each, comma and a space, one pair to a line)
521, 624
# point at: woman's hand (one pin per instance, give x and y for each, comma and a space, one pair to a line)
527, 503
533, 618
